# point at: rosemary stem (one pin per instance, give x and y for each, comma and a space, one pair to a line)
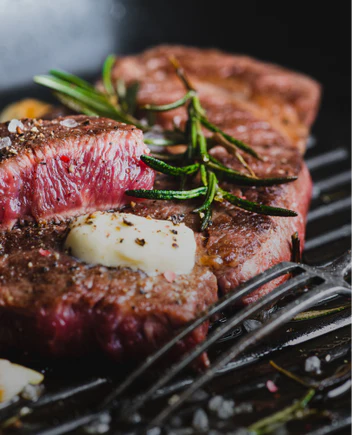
292, 376
171, 106
282, 416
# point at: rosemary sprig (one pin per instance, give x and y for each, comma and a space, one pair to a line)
167, 194
119, 102
314, 314
171, 106
292, 412
200, 161
82, 97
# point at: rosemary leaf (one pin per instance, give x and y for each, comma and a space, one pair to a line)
75, 105
203, 149
217, 163
244, 147
131, 97
167, 194
70, 78
163, 167
314, 314
255, 207
232, 149
88, 98
206, 219
164, 108
107, 68
93, 100
203, 175
193, 134
246, 180
211, 192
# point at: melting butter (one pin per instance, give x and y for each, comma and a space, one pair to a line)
126, 240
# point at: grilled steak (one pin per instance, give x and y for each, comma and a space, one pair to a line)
262, 104
53, 303
51, 170
56, 305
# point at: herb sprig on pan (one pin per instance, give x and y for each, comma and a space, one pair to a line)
118, 102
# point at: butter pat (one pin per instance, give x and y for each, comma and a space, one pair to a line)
126, 240
13, 379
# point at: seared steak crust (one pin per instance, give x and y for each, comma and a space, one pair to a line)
56, 305
257, 102
57, 169
51, 302
264, 105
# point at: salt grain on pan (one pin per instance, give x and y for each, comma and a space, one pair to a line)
222, 407
99, 426
181, 431
5, 142
200, 421
69, 123
252, 325
215, 403
32, 392
154, 431
241, 431
226, 410
13, 124
312, 365
199, 395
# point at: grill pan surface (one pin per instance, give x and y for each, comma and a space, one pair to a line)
328, 230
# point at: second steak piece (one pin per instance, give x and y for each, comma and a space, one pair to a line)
53, 170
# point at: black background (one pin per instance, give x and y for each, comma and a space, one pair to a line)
309, 36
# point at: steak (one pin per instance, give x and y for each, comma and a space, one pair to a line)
264, 105
53, 304
57, 305
53, 170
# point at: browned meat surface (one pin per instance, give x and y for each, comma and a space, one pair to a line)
264, 105
52, 170
51, 302
255, 101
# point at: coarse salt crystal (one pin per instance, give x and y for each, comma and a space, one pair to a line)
252, 324
215, 403
312, 364
200, 421
13, 124
222, 407
69, 123
5, 142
